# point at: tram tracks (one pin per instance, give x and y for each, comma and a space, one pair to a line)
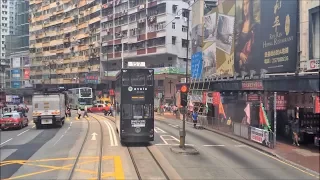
144, 161
85, 141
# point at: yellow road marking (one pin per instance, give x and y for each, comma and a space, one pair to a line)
283, 162
49, 170
118, 171
58, 159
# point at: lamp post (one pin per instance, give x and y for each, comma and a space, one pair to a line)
183, 132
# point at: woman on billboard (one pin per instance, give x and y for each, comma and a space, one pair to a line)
246, 32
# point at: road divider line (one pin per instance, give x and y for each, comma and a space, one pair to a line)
58, 139
23, 132
70, 124
33, 126
113, 134
110, 134
174, 125
6, 141
213, 145
158, 130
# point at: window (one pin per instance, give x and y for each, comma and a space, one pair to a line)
174, 40
184, 28
126, 111
184, 43
150, 79
314, 33
160, 83
147, 111
174, 9
138, 79
125, 78
173, 25
137, 111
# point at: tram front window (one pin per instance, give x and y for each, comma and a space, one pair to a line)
85, 101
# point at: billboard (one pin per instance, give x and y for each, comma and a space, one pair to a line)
196, 65
26, 61
16, 74
26, 74
16, 84
265, 36
218, 39
16, 63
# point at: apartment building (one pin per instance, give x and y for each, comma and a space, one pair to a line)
7, 27
73, 40
149, 31
62, 49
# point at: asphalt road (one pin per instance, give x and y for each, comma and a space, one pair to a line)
221, 157
50, 153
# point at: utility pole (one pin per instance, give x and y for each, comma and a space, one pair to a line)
183, 132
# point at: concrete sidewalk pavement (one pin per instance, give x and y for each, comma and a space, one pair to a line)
302, 157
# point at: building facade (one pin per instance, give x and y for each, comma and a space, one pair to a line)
17, 51
309, 35
254, 57
73, 42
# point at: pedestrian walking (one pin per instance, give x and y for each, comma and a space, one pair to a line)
85, 111
79, 113
295, 132
195, 118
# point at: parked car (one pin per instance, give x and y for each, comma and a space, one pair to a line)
13, 120
99, 108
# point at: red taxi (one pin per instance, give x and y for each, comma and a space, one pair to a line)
99, 108
13, 120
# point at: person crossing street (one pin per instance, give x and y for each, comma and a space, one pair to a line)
85, 111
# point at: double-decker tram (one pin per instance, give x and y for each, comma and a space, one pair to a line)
134, 104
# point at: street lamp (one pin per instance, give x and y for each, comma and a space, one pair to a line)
183, 132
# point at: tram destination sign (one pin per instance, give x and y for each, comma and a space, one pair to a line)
138, 123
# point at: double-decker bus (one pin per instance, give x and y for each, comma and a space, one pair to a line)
134, 105
80, 97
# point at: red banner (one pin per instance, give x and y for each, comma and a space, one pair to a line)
26, 74
281, 102
216, 98
317, 104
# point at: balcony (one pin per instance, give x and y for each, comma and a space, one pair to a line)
66, 60
67, 20
56, 42
38, 45
83, 25
52, 5
82, 48
60, 71
96, 19
51, 33
69, 29
82, 35
46, 44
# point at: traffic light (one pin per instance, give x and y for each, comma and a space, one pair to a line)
184, 95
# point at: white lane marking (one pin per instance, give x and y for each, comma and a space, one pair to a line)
214, 145
94, 136
23, 132
113, 134
67, 130
240, 145
165, 142
58, 139
110, 136
6, 141
33, 126
172, 144
174, 125
158, 130
70, 124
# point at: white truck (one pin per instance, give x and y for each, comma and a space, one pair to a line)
49, 109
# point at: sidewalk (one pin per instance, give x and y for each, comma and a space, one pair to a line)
303, 157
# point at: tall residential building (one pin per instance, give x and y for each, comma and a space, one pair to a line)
73, 40
7, 27
17, 50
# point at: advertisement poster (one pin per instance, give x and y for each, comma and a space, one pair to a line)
16, 62
218, 39
26, 61
196, 65
260, 136
196, 38
265, 36
317, 104
15, 84
16, 74
26, 74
